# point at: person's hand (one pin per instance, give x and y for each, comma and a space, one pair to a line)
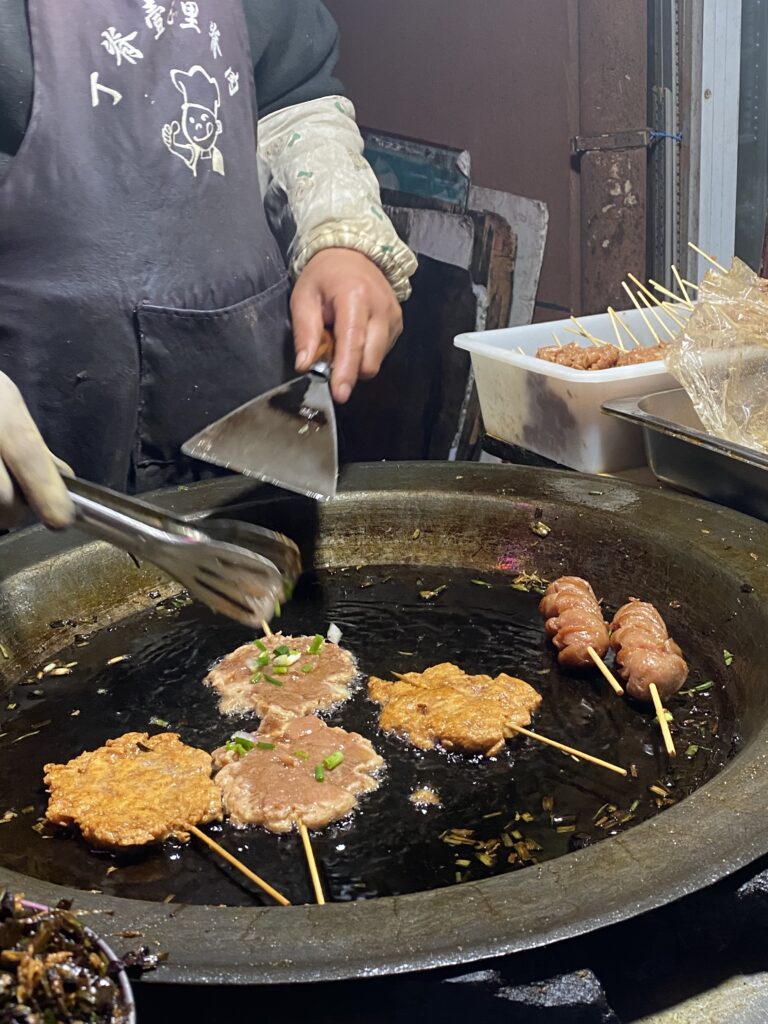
29, 472
345, 291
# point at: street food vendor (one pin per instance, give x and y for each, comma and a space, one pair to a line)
152, 156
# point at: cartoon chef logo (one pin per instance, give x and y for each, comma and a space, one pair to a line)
194, 138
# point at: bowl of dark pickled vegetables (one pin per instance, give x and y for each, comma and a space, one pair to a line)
53, 969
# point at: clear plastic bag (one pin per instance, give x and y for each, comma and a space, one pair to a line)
721, 356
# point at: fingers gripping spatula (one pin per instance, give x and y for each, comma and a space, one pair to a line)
286, 437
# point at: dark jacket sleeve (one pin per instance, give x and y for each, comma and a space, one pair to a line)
295, 45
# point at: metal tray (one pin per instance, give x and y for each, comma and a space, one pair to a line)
682, 455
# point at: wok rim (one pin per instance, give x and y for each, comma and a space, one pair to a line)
619, 878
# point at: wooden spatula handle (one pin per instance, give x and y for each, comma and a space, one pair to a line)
327, 345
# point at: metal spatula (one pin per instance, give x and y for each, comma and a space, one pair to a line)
238, 569
285, 437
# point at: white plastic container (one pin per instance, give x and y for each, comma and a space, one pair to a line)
553, 410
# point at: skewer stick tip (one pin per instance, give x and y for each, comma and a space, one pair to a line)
681, 284
238, 865
707, 257
312, 864
617, 687
567, 750
641, 311
662, 720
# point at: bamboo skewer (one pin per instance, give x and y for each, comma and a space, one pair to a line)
623, 323
665, 291
567, 750
585, 333
266, 630
707, 257
690, 284
586, 337
673, 316
557, 340
639, 308
227, 856
662, 720
656, 316
644, 289
312, 864
618, 688
681, 285
615, 325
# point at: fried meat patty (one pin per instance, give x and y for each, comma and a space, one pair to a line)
135, 789
282, 672
461, 712
299, 769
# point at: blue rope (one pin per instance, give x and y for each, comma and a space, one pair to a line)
658, 136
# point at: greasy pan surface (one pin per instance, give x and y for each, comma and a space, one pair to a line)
450, 525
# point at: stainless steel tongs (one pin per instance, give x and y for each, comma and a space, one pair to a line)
238, 569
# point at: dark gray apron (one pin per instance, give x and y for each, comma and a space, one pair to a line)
142, 294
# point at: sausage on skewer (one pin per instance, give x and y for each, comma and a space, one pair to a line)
645, 653
574, 621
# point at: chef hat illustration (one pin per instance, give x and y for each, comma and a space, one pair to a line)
197, 87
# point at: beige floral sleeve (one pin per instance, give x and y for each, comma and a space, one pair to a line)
314, 152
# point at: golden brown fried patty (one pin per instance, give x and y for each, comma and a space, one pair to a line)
445, 705
135, 789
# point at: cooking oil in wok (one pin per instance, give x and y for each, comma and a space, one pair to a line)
508, 813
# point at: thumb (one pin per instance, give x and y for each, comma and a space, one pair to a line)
308, 326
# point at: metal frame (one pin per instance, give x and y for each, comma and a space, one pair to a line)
713, 61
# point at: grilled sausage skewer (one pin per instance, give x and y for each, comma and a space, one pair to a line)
574, 621
645, 653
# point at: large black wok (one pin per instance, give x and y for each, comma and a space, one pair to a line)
715, 561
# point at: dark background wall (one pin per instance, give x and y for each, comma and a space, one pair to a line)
497, 77
513, 81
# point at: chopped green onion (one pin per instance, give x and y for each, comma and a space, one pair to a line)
308, 668
319, 773
698, 689
239, 745
481, 583
256, 677
280, 670
633, 806
271, 679
692, 751
243, 741
301, 754
159, 721
317, 644
333, 760
287, 659
263, 659
260, 645
463, 863
282, 649
4, 651
265, 746
727, 658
